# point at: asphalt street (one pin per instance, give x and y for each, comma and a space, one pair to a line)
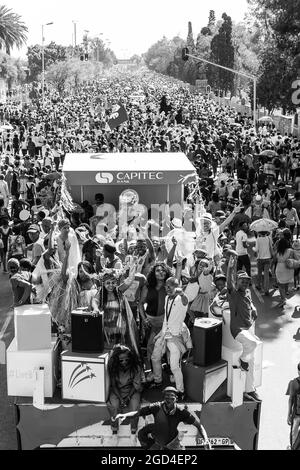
276, 327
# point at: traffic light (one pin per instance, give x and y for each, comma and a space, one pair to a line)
86, 56
82, 57
185, 53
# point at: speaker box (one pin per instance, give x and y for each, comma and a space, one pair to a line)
87, 332
207, 341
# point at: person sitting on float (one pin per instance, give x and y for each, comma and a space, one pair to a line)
125, 374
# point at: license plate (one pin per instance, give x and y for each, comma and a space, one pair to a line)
216, 441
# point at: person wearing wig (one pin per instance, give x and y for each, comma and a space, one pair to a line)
72, 292
153, 296
125, 373
119, 324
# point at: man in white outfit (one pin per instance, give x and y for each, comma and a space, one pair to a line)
174, 336
242, 317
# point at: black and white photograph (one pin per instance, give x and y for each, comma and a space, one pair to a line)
149, 228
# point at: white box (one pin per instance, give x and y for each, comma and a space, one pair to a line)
21, 367
232, 357
85, 377
32, 327
200, 383
238, 386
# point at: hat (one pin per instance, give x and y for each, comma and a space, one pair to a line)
33, 228
296, 245
201, 251
219, 277
177, 223
207, 216
109, 247
170, 389
243, 275
221, 214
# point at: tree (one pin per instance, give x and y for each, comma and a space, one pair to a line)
278, 59
203, 50
11, 70
246, 49
12, 29
53, 53
69, 74
209, 30
161, 54
222, 53
190, 43
211, 20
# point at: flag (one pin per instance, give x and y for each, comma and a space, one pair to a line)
118, 116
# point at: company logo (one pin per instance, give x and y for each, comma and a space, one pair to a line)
104, 178
126, 177
296, 94
81, 373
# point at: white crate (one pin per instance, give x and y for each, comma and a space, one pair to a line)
32, 327
85, 377
21, 367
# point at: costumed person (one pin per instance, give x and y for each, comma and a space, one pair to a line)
220, 301
242, 323
119, 324
174, 337
200, 305
47, 272
151, 306
125, 374
71, 292
163, 433
293, 418
67, 233
208, 233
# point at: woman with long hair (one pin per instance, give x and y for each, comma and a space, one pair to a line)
153, 295
69, 292
284, 274
119, 323
125, 373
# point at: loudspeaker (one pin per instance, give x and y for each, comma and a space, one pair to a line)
207, 341
87, 332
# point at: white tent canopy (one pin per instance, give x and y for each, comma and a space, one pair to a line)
155, 176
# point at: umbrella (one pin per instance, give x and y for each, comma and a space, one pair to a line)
269, 153
6, 127
266, 119
263, 225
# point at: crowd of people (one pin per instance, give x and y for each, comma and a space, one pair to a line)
149, 288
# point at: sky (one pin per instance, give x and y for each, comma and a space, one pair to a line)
131, 26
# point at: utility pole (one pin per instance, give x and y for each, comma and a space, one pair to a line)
75, 34
43, 64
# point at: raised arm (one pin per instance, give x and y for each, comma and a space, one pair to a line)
231, 273
229, 219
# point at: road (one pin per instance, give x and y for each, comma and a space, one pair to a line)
281, 355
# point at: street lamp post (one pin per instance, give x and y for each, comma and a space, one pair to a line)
43, 64
243, 74
75, 33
